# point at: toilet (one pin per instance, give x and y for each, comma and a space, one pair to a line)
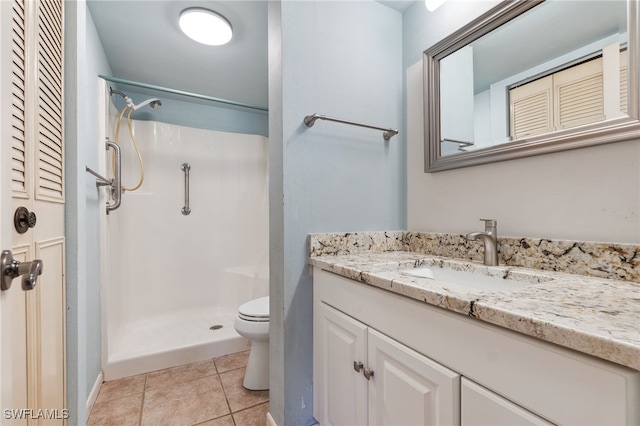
252, 322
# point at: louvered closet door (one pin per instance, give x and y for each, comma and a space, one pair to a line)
579, 95
532, 108
565, 99
37, 177
624, 98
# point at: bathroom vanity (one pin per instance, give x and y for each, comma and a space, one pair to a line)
392, 346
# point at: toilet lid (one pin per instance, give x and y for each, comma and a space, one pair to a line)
257, 308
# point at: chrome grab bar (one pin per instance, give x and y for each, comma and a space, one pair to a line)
186, 167
101, 180
116, 184
113, 184
461, 144
310, 120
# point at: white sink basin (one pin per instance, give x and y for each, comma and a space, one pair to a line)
468, 279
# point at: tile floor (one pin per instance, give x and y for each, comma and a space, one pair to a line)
207, 393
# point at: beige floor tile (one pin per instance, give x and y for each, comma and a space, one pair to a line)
254, 416
185, 403
232, 361
123, 411
239, 397
221, 421
183, 373
121, 387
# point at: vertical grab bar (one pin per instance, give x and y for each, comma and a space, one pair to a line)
116, 191
186, 167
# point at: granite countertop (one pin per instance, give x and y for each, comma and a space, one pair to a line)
596, 316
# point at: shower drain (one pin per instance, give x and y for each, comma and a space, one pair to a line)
215, 327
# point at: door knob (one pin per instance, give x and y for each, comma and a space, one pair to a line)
11, 268
23, 219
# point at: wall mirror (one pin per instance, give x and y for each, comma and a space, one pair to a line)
530, 77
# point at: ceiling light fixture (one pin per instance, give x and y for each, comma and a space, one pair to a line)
433, 4
205, 26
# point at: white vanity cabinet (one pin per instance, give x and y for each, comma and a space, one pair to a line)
432, 366
363, 377
481, 407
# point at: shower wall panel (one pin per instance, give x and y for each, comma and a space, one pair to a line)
160, 262
171, 261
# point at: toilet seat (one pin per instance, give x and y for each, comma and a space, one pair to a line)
256, 310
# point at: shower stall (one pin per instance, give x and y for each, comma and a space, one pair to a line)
184, 250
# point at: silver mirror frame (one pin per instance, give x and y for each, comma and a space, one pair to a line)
594, 134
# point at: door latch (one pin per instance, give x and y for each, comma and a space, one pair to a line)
11, 268
23, 219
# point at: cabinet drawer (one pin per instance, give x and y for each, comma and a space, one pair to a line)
481, 407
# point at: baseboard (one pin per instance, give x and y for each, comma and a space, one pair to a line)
270, 421
94, 393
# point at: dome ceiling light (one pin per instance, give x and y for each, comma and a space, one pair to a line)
205, 26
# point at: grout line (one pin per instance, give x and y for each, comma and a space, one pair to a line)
226, 398
224, 392
144, 393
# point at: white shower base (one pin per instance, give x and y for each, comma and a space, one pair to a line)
172, 339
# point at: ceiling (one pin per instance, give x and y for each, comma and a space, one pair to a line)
143, 43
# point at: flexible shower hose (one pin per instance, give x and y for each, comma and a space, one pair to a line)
135, 146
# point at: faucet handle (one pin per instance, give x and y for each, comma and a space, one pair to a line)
490, 225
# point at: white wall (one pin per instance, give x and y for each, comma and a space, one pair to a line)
161, 261
585, 194
590, 194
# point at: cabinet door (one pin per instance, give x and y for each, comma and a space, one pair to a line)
340, 392
482, 407
408, 388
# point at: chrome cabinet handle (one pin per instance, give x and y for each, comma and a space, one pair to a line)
358, 366
11, 268
186, 167
368, 373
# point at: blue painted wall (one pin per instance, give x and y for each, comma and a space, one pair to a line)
96, 64
190, 112
342, 59
84, 59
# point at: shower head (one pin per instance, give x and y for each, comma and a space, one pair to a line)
153, 103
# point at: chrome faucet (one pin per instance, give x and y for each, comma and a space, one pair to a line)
490, 240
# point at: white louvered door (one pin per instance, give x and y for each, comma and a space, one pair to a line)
579, 95
589, 92
37, 331
532, 108
624, 81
